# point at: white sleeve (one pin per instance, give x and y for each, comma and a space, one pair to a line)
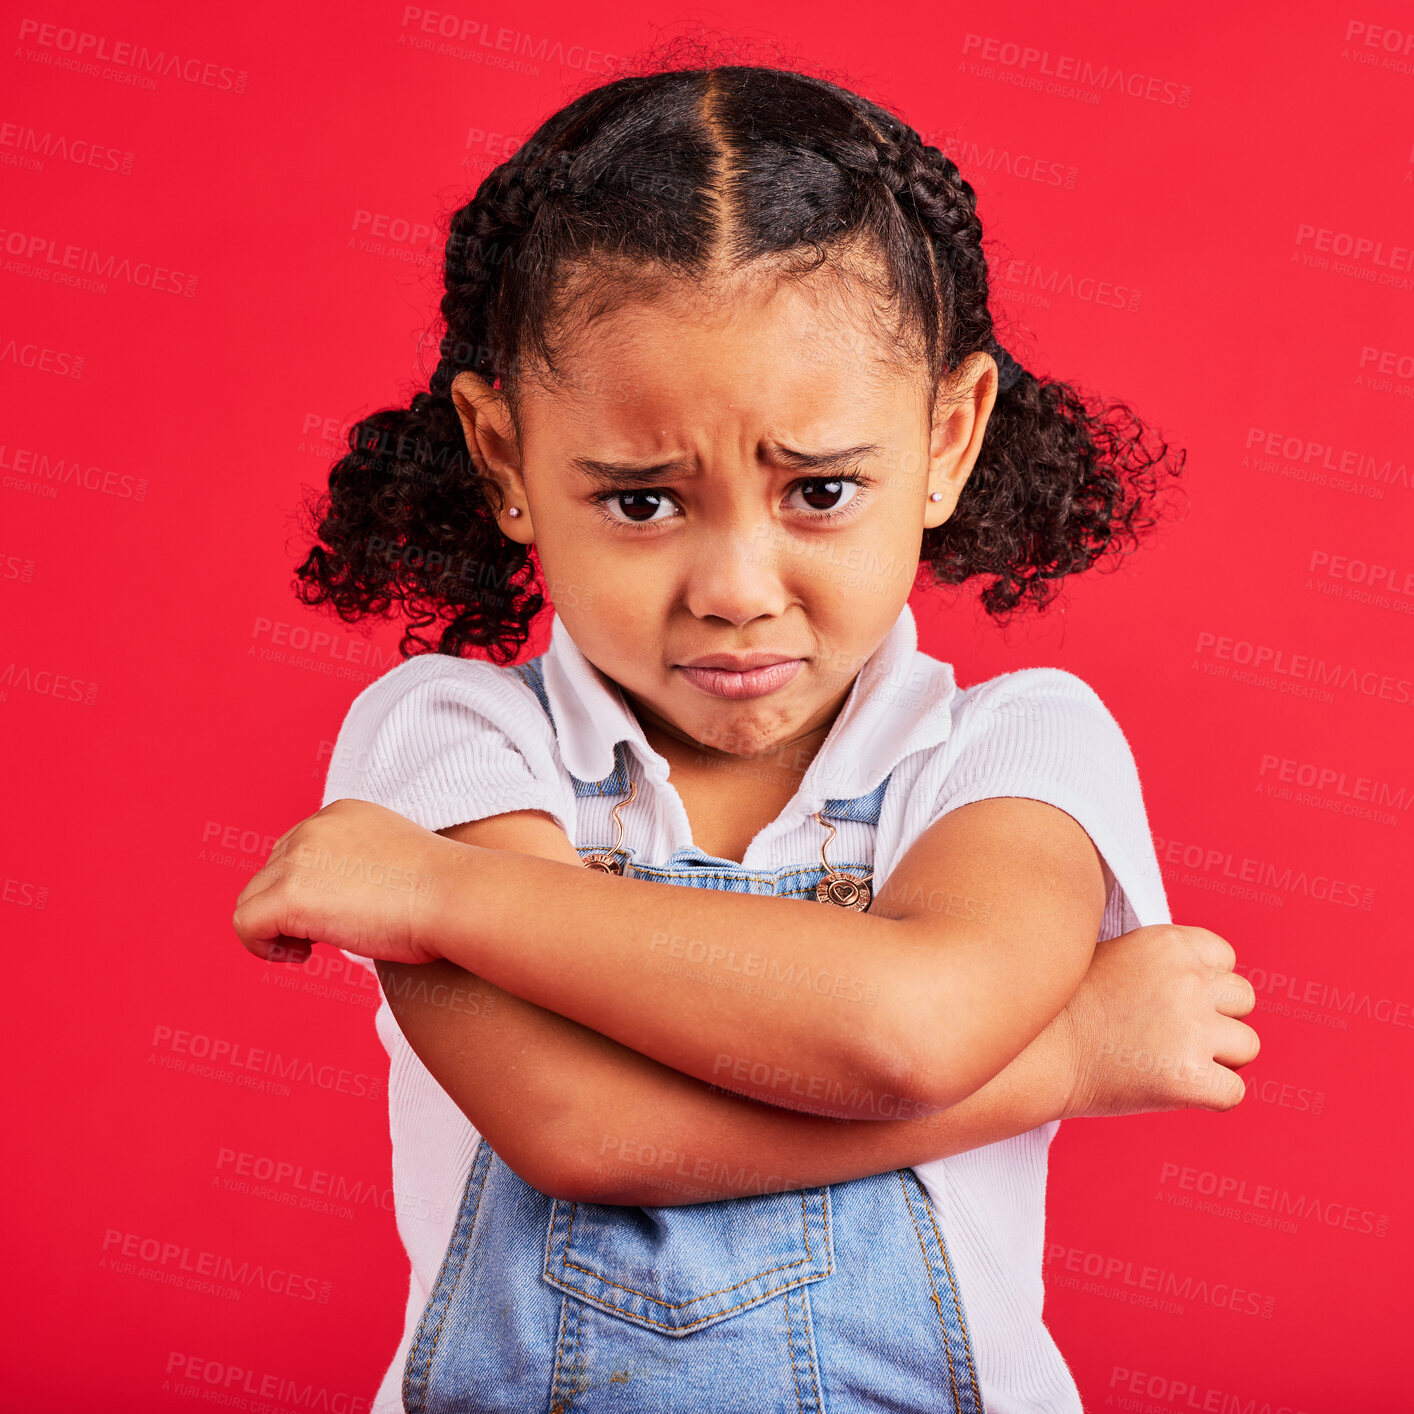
1045, 734
444, 740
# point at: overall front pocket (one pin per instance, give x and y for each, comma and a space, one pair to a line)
680, 1269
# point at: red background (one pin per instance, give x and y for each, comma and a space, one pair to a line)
161, 726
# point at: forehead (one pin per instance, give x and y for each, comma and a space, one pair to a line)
802, 346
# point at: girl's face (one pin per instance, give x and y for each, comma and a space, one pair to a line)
745, 482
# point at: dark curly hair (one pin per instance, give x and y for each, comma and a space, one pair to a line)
641, 178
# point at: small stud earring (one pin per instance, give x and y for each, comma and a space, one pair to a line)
514, 511
936, 496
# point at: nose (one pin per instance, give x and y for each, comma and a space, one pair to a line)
734, 573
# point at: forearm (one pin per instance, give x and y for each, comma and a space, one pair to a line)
914, 1004
806, 1007
678, 1141
581, 1116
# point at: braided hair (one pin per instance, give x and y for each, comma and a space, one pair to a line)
654, 176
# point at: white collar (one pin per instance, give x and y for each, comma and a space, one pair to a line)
900, 703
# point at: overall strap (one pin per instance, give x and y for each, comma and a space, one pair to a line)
865, 808
860, 807
532, 673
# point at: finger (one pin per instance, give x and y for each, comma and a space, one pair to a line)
1232, 993
1218, 1088
264, 878
278, 949
279, 847
258, 926
1236, 1043
256, 884
1214, 950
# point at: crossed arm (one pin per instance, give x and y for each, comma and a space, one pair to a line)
581, 1113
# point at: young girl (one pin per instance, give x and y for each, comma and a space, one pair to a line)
718, 345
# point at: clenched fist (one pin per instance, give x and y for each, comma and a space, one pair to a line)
355, 875
1155, 1024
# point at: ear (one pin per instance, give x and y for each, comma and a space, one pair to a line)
959, 422
491, 440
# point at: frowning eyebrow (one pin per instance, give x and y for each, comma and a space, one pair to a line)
627, 474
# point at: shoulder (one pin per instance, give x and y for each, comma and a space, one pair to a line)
431, 726
1028, 692
431, 699
444, 740
1043, 734
1042, 719
435, 678
1046, 734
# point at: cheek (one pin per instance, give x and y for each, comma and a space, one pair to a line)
847, 584
613, 617
577, 572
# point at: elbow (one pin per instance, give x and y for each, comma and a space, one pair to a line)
912, 1084
886, 1074
557, 1175
875, 1071
574, 1173
572, 1183
919, 1066
553, 1159
576, 1180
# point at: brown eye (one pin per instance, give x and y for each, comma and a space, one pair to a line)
824, 495
638, 507
647, 503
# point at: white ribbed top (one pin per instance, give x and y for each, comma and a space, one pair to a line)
444, 740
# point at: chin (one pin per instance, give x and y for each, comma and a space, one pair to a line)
744, 731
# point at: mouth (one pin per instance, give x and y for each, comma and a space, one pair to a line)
739, 675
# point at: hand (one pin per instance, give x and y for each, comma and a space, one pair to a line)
1153, 1025
357, 876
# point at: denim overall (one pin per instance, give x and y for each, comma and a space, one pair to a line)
833, 1300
